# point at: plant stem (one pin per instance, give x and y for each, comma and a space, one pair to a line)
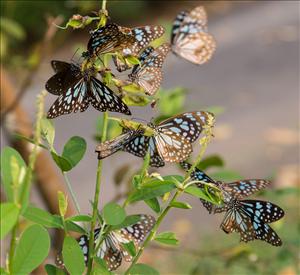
104, 4
72, 193
23, 200
204, 141
96, 197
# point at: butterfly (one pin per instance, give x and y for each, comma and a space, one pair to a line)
78, 89
108, 39
171, 140
189, 37
143, 36
148, 74
250, 218
111, 250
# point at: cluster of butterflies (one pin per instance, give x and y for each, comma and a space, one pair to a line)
77, 86
250, 218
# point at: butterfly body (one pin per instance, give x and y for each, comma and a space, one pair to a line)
77, 89
190, 39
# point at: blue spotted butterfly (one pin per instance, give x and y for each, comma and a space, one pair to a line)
172, 139
143, 36
78, 89
148, 74
111, 250
108, 39
250, 218
189, 37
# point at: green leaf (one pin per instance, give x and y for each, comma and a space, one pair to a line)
132, 88
152, 189
171, 101
2, 271
10, 159
62, 203
32, 250
71, 226
48, 130
226, 175
136, 99
182, 205
143, 269
153, 204
12, 28
61, 162
80, 218
9, 215
74, 150
53, 270
132, 60
211, 161
196, 192
130, 248
129, 220
30, 140
42, 217
113, 214
73, 256
100, 267
167, 238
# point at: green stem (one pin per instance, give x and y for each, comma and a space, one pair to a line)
104, 4
96, 197
23, 200
73, 196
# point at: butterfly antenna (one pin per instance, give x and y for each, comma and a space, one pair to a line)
72, 60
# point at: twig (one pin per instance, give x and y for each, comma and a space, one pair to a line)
96, 197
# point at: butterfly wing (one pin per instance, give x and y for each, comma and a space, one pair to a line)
155, 159
177, 23
237, 220
197, 48
250, 218
196, 16
266, 211
148, 75
73, 100
108, 39
143, 36
139, 147
244, 188
66, 75
189, 125
108, 148
103, 98
137, 233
